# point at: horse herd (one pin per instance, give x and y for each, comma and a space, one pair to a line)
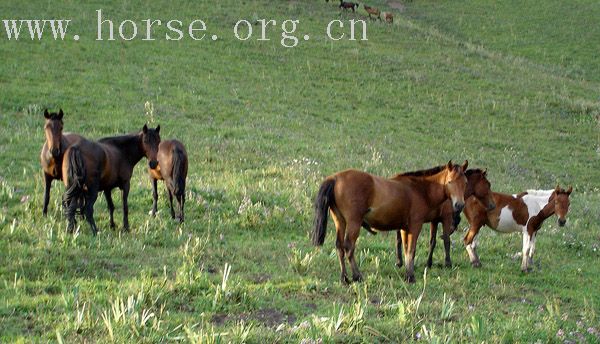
403, 203
88, 167
371, 11
355, 199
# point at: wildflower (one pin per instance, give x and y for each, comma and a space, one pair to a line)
560, 333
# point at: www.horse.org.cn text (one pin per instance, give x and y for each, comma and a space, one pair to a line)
286, 31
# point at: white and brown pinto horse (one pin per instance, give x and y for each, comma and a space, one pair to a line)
358, 199
523, 213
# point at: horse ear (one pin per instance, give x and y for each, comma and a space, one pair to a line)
449, 166
158, 129
60, 114
570, 190
485, 172
465, 165
46, 114
145, 129
557, 188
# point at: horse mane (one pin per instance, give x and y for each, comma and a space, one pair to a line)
473, 171
421, 173
120, 140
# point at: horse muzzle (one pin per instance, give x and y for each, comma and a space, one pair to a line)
458, 207
562, 222
55, 152
153, 164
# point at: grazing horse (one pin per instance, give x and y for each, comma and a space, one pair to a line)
357, 199
53, 150
524, 213
90, 167
373, 11
477, 186
346, 5
172, 167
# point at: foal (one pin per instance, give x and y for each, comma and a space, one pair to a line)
172, 167
53, 150
356, 199
373, 11
90, 167
520, 213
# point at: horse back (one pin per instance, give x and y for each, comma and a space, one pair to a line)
166, 150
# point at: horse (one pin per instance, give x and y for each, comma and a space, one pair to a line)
524, 213
346, 5
90, 167
172, 167
478, 186
388, 17
373, 11
53, 150
355, 198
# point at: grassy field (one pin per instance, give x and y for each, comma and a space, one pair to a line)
263, 125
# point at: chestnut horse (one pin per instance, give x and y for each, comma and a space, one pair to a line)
516, 213
357, 199
477, 186
53, 150
90, 167
172, 167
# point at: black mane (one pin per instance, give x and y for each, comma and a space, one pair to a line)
423, 173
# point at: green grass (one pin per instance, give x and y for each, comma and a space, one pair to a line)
263, 126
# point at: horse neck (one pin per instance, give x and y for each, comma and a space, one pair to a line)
547, 211
130, 147
436, 192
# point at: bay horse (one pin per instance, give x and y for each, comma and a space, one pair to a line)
53, 150
478, 186
373, 11
524, 213
90, 167
172, 167
355, 198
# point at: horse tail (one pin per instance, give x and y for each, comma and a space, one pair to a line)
325, 200
74, 196
178, 180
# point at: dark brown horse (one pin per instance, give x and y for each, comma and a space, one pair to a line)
523, 213
357, 199
90, 167
345, 5
172, 167
477, 186
53, 150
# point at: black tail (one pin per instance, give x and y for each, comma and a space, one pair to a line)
325, 200
178, 180
74, 196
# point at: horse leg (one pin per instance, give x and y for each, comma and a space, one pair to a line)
154, 195
399, 262
432, 243
471, 245
352, 232
47, 185
125, 207
448, 229
171, 203
89, 210
70, 210
409, 255
532, 249
111, 208
525, 252
181, 203
340, 230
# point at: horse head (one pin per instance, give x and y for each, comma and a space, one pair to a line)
479, 186
561, 203
150, 142
456, 184
53, 130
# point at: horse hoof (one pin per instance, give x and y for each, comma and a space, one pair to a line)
345, 280
399, 265
357, 278
449, 265
429, 265
476, 264
410, 279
